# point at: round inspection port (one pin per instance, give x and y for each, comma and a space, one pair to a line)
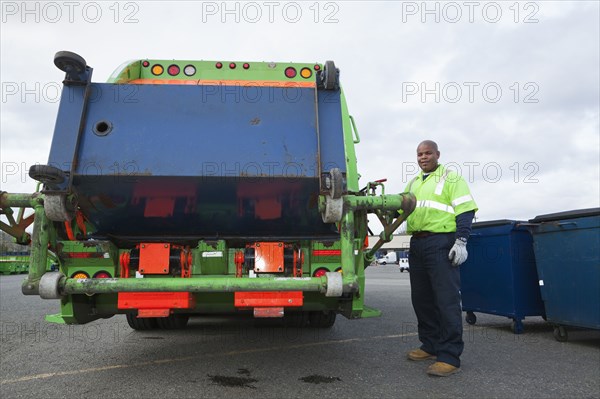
102, 128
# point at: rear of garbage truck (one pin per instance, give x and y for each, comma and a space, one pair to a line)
184, 188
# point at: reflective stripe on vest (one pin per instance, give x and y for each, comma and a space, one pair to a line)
462, 200
410, 184
435, 205
440, 186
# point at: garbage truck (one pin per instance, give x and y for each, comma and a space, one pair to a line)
183, 188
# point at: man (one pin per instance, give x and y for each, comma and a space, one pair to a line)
440, 226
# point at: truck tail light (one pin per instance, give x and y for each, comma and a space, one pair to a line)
80, 275
290, 72
102, 274
320, 272
173, 70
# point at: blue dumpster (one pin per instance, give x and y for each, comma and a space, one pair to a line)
567, 252
500, 276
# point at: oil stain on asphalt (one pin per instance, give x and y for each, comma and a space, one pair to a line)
319, 379
239, 382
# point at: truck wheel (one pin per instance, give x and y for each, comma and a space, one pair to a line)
295, 319
141, 324
322, 319
173, 322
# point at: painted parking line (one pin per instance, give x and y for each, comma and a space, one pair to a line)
36, 377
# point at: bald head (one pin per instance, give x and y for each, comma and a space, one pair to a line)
429, 143
427, 156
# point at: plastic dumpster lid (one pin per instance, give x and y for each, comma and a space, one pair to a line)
499, 222
577, 213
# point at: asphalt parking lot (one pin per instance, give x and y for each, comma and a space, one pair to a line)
226, 357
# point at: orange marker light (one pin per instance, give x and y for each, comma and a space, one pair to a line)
305, 73
157, 69
80, 275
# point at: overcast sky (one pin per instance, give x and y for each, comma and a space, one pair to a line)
509, 90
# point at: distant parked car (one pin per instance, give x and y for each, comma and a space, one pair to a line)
403, 265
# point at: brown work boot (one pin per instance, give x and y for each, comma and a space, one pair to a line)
420, 354
442, 369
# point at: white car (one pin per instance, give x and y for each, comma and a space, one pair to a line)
403, 265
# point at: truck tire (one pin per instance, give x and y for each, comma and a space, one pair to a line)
295, 319
173, 322
322, 319
141, 324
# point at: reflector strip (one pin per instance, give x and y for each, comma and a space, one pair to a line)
327, 252
268, 312
143, 313
268, 299
245, 83
81, 255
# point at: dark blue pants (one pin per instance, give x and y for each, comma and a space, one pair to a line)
435, 294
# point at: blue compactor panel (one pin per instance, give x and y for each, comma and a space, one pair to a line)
180, 161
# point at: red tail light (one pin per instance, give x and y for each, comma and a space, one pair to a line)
320, 272
102, 275
173, 70
290, 72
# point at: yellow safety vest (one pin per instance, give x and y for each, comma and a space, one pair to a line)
440, 197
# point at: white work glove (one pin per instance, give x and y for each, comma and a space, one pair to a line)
458, 253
